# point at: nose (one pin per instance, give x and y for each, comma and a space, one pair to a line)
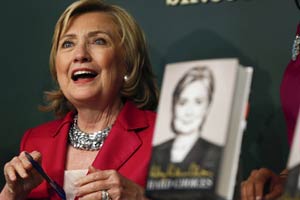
189, 110
82, 54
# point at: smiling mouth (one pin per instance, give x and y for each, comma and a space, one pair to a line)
83, 74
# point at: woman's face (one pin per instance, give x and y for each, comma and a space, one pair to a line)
88, 61
191, 108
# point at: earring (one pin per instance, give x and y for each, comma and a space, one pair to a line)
125, 78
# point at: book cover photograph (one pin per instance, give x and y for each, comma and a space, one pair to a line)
195, 115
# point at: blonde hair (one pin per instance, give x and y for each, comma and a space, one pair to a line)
139, 87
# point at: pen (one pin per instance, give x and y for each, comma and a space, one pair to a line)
57, 188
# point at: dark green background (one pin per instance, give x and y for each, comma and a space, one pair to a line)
259, 32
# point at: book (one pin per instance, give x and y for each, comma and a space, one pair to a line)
198, 131
292, 185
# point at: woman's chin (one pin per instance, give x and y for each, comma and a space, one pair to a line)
84, 99
186, 131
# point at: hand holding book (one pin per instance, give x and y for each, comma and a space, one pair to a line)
263, 184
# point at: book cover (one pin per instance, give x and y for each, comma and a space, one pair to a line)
198, 103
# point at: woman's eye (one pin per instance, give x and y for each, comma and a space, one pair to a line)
181, 102
100, 41
198, 101
67, 44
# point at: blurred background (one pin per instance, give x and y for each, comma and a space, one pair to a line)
258, 32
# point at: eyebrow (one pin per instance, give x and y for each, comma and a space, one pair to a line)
93, 33
90, 34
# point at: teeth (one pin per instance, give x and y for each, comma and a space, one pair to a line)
82, 72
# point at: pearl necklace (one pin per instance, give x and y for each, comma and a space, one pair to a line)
86, 141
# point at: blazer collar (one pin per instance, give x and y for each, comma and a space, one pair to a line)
123, 140
132, 118
68, 119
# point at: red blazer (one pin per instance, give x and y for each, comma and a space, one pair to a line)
127, 148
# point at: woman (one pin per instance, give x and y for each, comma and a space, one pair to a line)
192, 97
105, 92
264, 183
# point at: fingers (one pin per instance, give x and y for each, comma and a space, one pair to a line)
253, 187
94, 175
92, 196
247, 191
259, 180
264, 174
117, 186
37, 156
20, 175
273, 195
18, 166
276, 189
94, 182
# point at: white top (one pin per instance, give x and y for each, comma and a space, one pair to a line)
182, 145
70, 177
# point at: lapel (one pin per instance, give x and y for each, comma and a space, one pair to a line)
196, 153
123, 141
58, 149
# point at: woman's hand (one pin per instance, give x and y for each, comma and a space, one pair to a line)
20, 176
253, 187
117, 186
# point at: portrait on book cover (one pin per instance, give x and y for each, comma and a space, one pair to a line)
191, 101
191, 128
